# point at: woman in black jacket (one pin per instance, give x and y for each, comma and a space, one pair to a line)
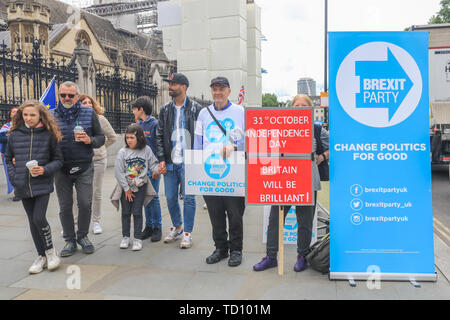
35, 136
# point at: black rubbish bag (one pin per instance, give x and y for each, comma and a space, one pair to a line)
319, 255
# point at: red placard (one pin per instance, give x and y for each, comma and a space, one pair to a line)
280, 130
279, 181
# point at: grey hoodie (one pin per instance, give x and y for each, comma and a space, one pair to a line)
132, 165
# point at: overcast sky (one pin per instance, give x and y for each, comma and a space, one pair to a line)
295, 33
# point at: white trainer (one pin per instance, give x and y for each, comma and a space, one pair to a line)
53, 260
96, 228
187, 241
125, 243
173, 235
137, 245
38, 265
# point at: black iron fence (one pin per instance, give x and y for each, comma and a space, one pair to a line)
25, 76
116, 92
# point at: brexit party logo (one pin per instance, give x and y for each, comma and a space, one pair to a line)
216, 167
379, 84
215, 135
290, 222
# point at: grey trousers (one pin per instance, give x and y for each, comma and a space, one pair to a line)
305, 216
64, 189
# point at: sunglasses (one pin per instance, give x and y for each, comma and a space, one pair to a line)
63, 95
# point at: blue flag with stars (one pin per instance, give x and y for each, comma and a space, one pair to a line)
49, 98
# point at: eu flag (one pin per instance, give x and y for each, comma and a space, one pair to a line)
49, 98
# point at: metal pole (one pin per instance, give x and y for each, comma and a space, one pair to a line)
325, 89
326, 47
280, 240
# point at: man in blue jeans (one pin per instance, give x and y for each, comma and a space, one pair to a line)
175, 133
142, 109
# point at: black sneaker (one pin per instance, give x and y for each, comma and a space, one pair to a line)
156, 235
146, 233
86, 245
216, 256
69, 249
16, 198
235, 258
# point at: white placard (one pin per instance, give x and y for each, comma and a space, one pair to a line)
207, 173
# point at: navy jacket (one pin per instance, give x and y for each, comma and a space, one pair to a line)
149, 126
3, 137
25, 144
74, 152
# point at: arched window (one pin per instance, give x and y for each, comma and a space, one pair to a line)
83, 36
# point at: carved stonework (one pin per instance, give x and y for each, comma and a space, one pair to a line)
84, 61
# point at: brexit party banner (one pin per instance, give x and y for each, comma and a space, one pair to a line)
207, 173
381, 216
279, 144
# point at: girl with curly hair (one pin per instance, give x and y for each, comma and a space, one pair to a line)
33, 156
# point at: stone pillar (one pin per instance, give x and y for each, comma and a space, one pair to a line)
84, 62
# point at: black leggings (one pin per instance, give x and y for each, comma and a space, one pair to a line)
133, 209
36, 209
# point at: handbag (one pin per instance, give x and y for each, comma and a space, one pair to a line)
319, 255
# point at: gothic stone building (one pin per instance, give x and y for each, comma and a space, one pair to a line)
62, 30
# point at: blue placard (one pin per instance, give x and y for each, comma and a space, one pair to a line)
380, 176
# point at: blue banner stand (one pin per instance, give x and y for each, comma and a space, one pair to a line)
381, 219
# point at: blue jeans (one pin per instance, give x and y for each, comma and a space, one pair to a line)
153, 208
172, 180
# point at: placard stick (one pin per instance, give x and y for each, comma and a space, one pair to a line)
280, 240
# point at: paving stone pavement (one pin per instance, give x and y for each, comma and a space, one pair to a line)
164, 271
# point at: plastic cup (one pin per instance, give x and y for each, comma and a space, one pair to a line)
30, 165
76, 130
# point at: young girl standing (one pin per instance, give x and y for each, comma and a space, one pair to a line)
132, 164
34, 135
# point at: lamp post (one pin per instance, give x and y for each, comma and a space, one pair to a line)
325, 74
326, 47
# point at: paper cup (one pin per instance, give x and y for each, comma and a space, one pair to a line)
30, 165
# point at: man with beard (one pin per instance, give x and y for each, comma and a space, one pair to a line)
175, 133
82, 133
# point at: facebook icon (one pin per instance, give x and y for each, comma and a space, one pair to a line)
356, 190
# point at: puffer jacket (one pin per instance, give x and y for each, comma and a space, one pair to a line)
74, 152
25, 144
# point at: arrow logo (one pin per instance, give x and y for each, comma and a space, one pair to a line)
383, 84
